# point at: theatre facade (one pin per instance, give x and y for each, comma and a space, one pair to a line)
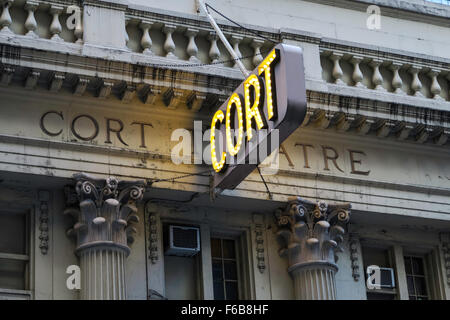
99, 201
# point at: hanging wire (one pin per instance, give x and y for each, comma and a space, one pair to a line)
202, 173
264, 181
151, 181
240, 25
187, 65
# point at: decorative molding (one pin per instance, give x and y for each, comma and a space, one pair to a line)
44, 198
353, 248
259, 239
445, 240
446, 249
153, 234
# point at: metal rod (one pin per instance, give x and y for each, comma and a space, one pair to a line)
201, 5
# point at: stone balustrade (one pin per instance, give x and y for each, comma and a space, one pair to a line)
385, 72
41, 20
185, 42
198, 45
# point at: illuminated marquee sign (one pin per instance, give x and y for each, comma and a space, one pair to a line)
273, 97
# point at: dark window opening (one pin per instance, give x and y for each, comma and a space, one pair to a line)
225, 271
416, 278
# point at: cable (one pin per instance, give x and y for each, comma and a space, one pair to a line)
264, 181
193, 196
239, 25
210, 171
151, 181
187, 65
180, 65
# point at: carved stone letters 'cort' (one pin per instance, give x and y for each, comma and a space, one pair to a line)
103, 210
309, 235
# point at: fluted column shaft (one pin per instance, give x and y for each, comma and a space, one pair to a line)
314, 281
103, 273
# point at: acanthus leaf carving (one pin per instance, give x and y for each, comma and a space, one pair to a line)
310, 231
103, 210
310, 235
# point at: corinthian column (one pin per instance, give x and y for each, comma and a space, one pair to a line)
309, 236
103, 210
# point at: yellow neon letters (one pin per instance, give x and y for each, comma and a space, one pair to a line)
218, 166
252, 111
248, 109
236, 101
264, 67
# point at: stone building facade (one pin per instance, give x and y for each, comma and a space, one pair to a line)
91, 93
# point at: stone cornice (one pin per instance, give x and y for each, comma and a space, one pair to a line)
112, 4
427, 12
410, 10
48, 3
330, 100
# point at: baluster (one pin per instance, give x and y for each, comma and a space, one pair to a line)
214, 53
146, 40
396, 79
5, 18
169, 45
55, 27
337, 70
30, 23
416, 84
448, 86
192, 49
78, 32
435, 88
235, 40
357, 75
377, 78
257, 56
127, 38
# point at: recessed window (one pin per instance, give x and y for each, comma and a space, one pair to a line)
380, 257
225, 269
182, 262
14, 251
416, 278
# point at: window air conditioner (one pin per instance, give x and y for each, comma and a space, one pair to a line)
387, 278
183, 241
383, 277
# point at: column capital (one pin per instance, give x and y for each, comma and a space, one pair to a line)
309, 235
103, 210
311, 232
